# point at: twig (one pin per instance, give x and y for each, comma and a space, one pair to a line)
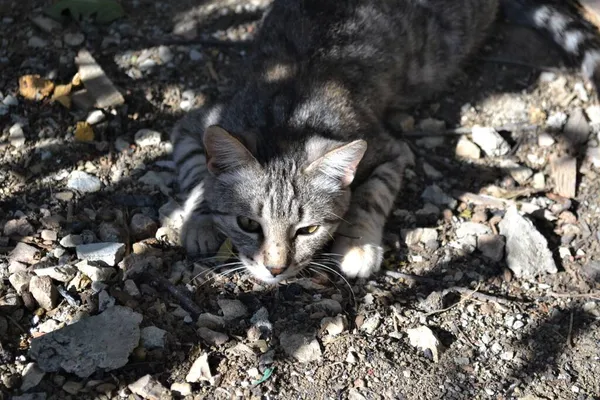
162, 283
569, 337
462, 300
481, 296
411, 277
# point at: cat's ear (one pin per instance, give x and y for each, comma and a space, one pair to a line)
224, 152
338, 163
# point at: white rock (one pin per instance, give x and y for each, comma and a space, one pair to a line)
131, 288
490, 141
94, 272
165, 54
593, 155
200, 370
147, 64
83, 182
95, 117
593, 114
520, 173
10, 101
71, 241
333, 325
527, 253
424, 339
20, 281
16, 136
109, 253
539, 180
147, 137
44, 292
182, 388
61, 273
48, 234
467, 149
147, 387
304, 347
556, 120
472, 229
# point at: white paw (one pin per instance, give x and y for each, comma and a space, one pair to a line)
359, 260
199, 236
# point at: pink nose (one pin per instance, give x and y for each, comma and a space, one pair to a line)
276, 270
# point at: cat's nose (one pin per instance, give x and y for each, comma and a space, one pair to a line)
276, 270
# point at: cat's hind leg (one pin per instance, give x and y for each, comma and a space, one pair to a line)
359, 236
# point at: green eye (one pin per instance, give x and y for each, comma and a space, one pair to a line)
248, 225
307, 230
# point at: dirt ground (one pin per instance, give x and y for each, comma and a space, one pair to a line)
502, 336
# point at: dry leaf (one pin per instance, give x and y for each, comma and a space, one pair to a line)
84, 132
34, 87
76, 81
61, 94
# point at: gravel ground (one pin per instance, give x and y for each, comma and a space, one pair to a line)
490, 288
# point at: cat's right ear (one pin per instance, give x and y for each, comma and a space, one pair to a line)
224, 152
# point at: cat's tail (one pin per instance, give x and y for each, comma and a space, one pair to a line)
564, 21
188, 149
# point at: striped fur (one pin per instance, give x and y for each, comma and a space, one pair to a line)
281, 168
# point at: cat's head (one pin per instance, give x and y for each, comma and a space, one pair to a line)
278, 214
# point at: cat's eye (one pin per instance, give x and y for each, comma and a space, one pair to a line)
248, 225
307, 230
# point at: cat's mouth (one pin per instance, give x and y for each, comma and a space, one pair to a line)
262, 273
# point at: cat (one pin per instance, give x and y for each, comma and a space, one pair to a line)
300, 155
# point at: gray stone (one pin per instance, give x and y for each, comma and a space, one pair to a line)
72, 387
32, 376
48, 234
108, 253
37, 42
490, 141
18, 227
147, 137
109, 232
24, 253
10, 101
491, 246
20, 281
83, 182
329, 306
304, 347
232, 309
103, 342
431, 172
105, 301
212, 337
44, 291
61, 273
593, 155
195, 55
434, 194
527, 253
131, 288
165, 54
153, 337
149, 388
16, 136
147, 64
142, 227
577, 129
210, 321
71, 241
30, 396
73, 39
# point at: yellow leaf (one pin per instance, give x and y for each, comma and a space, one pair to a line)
225, 251
84, 132
61, 94
466, 214
34, 87
76, 81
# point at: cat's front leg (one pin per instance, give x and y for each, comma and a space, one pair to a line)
359, 237
198, 233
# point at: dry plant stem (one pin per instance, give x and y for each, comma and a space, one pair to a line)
162, 283
569, 336
462, 300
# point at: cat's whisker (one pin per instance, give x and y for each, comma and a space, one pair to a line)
208, 270
332, 270
337, 216
221, 275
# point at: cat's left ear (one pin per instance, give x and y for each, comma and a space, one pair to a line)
224, 152
338, 163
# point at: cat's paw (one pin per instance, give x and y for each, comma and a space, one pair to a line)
359, 260
199, 236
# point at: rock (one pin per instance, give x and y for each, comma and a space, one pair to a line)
195, 55
593, 156
147, 137
48, 234
72, 387
545, 140
165, 54
490, 141
10, 101
577, 128
71, 241
73, 39
527, 253
491, 246
200, 370
105, 300
95, 117
304, 347
472, 229
20, 281
467, 149
210, 321
16, 136
98, 85
153, 337
18, 227
212, 337
170, 215
519, 173
37, 42
539, 181
149, 388
24, 253
591, 271
44, 292
30, 396
424, 339
83, 182
94, 272
556, 121
142, 227
329, 306
121, 144
49, 326
232, 309
431, 172
564, 174
108, 253
147, 64
131, 288
371, 324
72, 348
32, 376
9, 302
182, 388
333, 325
354, 394
434, 194
432, 125
110, 232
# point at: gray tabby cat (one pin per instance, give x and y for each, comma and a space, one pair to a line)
300, 156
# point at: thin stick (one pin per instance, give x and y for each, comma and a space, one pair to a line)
162, 283
569, 337
462, 300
